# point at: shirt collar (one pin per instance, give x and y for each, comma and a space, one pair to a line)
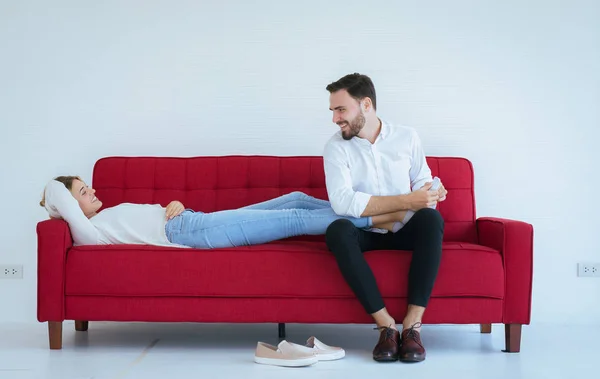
383, 133
385, 129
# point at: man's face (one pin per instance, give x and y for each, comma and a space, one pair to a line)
347, 113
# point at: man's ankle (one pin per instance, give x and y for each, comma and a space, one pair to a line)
383, 319
407, 324
388, 324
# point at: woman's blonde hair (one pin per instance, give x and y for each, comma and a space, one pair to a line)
66, 180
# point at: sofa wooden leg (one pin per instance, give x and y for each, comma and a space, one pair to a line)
55, 334
281, 331
81, 326
486, 328
512, 335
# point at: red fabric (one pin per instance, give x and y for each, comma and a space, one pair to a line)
199, 309
54, 240
210, 184
514, 240
485, 273
305, 270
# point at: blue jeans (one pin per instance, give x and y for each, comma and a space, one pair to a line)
289, 215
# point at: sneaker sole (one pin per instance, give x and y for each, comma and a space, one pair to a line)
286, 362
331, 357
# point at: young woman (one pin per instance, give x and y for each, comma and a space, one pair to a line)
294, 214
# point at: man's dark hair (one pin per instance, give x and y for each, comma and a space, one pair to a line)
358, 86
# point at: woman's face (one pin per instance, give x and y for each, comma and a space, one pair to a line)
84, 195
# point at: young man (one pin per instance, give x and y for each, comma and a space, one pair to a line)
374, 168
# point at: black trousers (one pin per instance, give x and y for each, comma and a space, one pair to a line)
422, 234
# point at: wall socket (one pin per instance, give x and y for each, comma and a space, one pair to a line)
588, 269
11, 271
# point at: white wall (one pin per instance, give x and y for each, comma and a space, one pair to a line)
513, 87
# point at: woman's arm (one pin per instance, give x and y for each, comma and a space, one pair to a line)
61, 204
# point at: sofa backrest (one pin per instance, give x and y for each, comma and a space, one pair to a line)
210, 184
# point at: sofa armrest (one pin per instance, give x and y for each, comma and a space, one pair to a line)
514, 240
54, 241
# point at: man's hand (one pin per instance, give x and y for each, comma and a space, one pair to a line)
174, 209
423, 198
442, 193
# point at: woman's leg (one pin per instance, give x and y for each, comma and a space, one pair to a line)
293, 200
243, 227
300, 200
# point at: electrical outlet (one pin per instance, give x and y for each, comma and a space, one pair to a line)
588, 269
11, 272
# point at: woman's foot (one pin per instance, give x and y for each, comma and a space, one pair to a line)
389, 226
395, 222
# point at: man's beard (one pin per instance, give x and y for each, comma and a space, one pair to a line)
354, 127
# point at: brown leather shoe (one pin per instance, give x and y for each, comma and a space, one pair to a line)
411, 347
386, 349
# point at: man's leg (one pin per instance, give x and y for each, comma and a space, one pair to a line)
348, 243
423, 235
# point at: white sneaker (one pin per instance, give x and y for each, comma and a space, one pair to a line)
322, 351
285, 354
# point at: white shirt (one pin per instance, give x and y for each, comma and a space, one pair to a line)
122, 224
355, 169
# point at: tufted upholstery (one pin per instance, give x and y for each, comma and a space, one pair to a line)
210, 184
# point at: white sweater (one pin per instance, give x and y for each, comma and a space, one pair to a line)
125, 223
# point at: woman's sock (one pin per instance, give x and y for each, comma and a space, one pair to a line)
399, 225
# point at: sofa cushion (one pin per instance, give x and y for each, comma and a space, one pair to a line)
288, 269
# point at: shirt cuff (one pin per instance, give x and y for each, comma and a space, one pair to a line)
359, 204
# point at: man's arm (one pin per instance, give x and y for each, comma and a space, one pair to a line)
420, 173
379, 205
421, 198
346, 201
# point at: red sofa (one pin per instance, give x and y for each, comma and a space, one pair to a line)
485, 275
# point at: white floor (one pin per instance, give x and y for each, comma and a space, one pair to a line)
138, 350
